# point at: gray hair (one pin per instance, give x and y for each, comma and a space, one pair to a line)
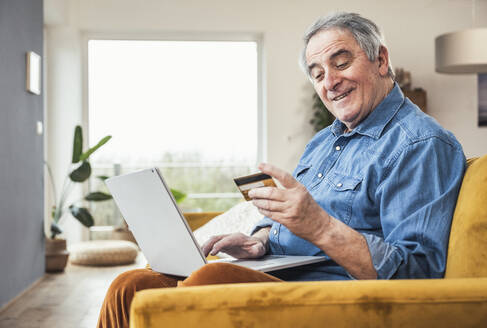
366, 33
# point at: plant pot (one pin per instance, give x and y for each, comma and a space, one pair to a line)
56, 255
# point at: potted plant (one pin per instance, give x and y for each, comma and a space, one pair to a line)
79, 172
322, 117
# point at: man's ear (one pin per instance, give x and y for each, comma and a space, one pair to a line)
383, 60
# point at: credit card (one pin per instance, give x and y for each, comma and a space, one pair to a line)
252, 181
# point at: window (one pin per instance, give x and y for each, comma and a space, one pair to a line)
187, 107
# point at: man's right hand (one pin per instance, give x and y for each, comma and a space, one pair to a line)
237, 245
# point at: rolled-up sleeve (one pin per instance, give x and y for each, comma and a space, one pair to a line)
417, 199
264, 222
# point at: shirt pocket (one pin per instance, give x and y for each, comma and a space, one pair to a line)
343, 190
307, 175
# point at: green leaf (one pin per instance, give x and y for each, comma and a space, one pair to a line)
83, 215
55, 229
77, 144
103, 177
82, 173
90, 151
322, 117
98, 196
178, 195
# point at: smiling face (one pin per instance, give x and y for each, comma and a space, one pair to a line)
348, 83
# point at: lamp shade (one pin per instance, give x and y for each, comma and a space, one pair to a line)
462, 52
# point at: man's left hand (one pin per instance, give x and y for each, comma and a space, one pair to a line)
292, 206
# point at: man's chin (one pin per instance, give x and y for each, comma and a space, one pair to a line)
348, 119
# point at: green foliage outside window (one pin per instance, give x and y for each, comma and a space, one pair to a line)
191, 179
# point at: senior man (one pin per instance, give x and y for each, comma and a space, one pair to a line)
374, 192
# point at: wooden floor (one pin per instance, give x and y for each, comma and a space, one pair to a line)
70, 299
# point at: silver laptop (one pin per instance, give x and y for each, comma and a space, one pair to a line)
162, 232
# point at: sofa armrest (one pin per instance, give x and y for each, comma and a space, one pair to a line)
408, 303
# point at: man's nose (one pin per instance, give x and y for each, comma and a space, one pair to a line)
332, 79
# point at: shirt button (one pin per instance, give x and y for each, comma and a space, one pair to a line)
320, 175
338, 148
275, 232
339, 185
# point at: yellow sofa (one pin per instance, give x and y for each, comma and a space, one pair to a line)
458, 300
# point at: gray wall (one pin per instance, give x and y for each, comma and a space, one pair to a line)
21, 151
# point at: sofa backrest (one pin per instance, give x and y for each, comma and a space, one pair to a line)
467, 250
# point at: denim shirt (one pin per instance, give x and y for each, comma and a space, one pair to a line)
395, 179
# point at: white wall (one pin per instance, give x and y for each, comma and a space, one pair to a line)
410, 28
64, 100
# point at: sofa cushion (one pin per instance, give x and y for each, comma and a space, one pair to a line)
240, 218
467, 250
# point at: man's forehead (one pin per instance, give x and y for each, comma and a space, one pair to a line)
326, 42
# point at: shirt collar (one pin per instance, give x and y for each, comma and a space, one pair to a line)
375, 122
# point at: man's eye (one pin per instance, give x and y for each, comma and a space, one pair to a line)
318, 76
342, 66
